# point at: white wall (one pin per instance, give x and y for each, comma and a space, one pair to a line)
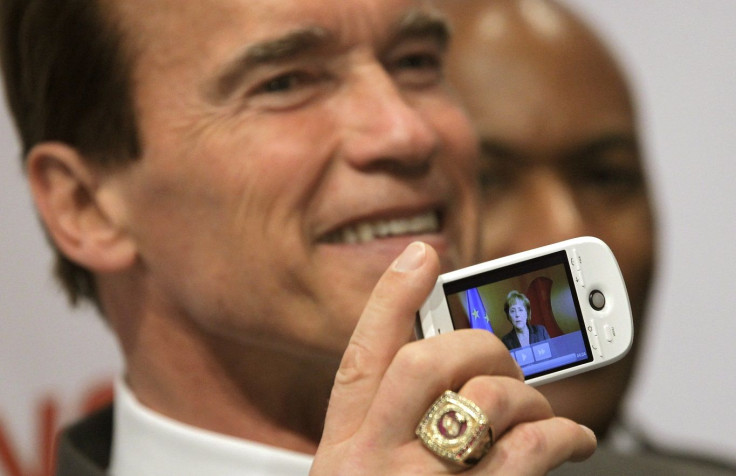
48, 354
682, 56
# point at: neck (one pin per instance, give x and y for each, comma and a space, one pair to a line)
252, 391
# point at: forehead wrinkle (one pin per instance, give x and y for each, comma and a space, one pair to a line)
288, 46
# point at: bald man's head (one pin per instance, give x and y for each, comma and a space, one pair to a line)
514, 59
560, 158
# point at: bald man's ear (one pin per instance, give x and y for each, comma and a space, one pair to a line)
80, 215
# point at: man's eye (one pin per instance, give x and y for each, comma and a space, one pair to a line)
488, 179
622, 180
418, 69
288, 90
497, 171
283, 83
608, 167
610, 183
420, 61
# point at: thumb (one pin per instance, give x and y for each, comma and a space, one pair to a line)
387, 323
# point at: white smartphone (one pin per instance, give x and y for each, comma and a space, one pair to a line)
561, 309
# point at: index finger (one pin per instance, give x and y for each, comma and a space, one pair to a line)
387, 323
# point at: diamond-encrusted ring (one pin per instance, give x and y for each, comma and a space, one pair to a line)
455, 429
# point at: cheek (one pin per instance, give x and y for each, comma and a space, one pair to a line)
501, 227
460, 163
200, 217
184, 229
460, 139
631, 235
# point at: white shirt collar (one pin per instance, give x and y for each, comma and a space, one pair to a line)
146, 443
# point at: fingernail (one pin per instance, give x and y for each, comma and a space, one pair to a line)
589, 431
411, 258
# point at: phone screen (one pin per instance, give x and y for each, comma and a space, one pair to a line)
531, 306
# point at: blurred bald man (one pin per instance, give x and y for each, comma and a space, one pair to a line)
561, 158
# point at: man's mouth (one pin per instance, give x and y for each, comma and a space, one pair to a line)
371, 230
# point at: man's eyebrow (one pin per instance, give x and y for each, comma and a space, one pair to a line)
282, 48
505, 151
420, 23
415, 24
613, 140
607, 141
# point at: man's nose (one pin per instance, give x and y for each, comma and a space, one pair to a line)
550, 203
384, 128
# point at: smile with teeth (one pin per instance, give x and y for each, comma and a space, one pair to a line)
367, 231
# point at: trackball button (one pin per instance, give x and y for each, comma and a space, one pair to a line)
597, 300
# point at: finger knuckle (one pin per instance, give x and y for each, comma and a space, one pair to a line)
531, 437
352, 368
413, 360
489, 392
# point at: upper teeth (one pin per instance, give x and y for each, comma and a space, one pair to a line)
368, 231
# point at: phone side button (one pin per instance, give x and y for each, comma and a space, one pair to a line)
579, 278
575, 259
596, 345
609, 332
592, 328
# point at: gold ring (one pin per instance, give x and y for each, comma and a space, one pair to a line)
455, 429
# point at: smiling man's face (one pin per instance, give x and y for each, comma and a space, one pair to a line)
291, 151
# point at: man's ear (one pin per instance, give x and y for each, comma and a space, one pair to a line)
72, 199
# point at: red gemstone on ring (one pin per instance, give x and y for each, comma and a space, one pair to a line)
451, 425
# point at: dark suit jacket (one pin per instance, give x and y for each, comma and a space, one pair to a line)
84, 450
536, 334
